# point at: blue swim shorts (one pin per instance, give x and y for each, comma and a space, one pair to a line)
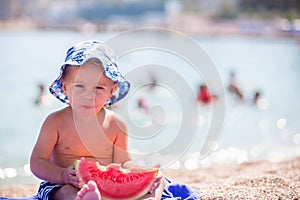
47, 190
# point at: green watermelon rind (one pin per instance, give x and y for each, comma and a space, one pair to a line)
76, 167
124, 171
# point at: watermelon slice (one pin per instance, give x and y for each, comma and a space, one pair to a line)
116, 182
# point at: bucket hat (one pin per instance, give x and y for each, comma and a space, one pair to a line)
81, 52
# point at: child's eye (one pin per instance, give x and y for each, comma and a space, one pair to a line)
78, 86
99, 88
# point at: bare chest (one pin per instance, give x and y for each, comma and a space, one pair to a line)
85, 140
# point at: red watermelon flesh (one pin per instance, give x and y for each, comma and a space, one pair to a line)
115, 182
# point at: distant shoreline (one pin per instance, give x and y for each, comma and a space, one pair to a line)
192, 25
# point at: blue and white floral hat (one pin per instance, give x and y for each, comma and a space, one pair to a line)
81, 52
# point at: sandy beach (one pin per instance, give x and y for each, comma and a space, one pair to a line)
252, 180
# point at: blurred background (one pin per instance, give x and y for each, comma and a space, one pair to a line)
272, 18
253, 44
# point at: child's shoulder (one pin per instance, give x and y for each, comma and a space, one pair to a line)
115, 117
59, 115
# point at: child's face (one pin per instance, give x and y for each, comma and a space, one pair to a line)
88, 88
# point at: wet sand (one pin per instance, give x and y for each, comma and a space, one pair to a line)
252, 180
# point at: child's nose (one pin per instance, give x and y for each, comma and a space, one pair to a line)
89, 94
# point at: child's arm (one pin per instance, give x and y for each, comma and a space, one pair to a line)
120, 149
40, 158
121, 155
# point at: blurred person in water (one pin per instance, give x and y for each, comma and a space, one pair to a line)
204, 96
233, 86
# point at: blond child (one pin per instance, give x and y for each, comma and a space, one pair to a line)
89, 81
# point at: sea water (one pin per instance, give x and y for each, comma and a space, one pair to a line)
269, 131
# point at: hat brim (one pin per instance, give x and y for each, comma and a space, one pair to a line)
80, 53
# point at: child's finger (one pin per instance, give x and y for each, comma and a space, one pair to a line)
73, 172
154, 187
157, 166
157, 179
75, 181
156, 184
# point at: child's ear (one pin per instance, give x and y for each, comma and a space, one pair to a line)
113, 88
64, 87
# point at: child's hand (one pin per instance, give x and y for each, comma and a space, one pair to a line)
70, 176
156, 183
